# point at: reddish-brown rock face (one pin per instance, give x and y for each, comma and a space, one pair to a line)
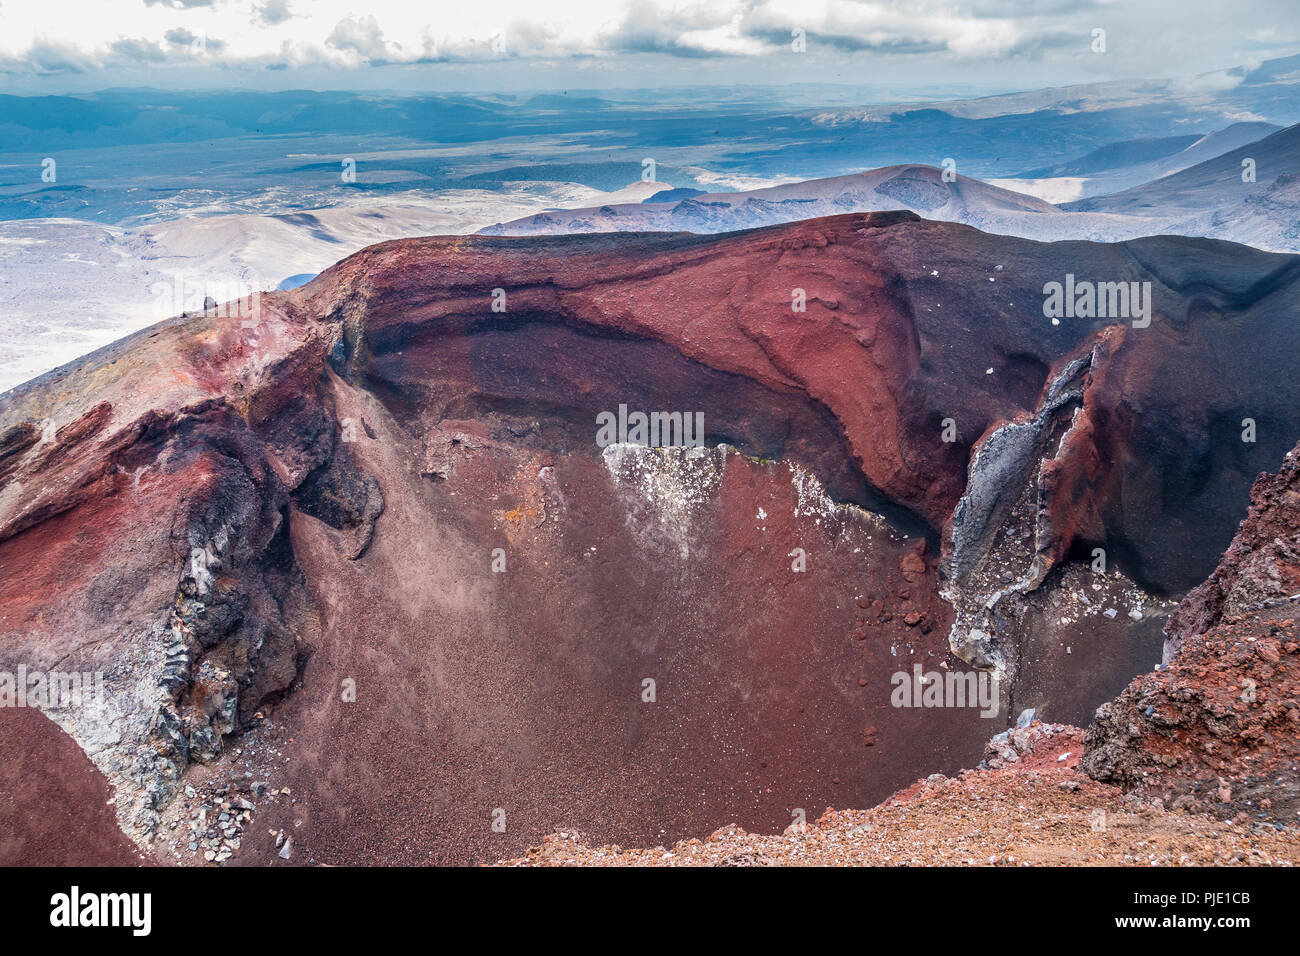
367, 547
1261, 568
1219, 726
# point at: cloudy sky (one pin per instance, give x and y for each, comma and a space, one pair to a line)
66, 45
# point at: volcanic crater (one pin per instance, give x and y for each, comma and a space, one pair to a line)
363, 560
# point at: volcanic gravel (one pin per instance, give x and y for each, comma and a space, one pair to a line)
1040, 812
75, 824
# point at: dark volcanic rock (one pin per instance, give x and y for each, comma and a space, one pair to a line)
380, 516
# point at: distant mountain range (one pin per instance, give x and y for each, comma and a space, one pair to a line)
445, 138
1207, 199
921, 189
1262, 90
1250, 194
1133, 162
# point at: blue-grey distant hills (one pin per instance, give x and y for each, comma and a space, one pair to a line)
922, 189
299, 136
674, 195
1207, 199
1218, 197
1130, 163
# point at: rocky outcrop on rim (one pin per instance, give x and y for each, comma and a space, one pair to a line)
1218, 726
